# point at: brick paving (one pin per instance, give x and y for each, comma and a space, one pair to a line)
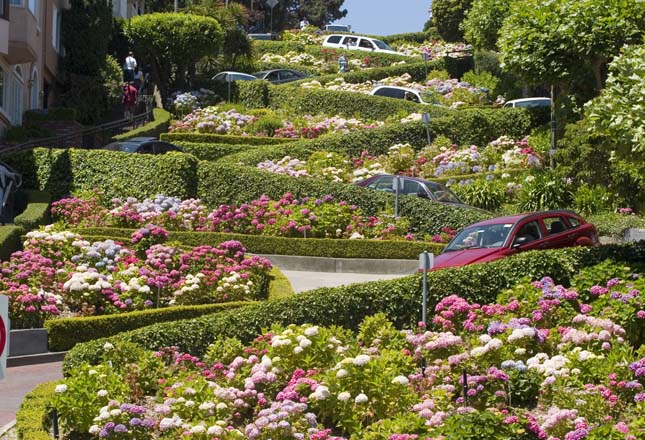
18, 381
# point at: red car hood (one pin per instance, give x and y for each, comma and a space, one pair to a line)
467, 256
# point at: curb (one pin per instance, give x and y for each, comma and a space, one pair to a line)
33, 359
343, 265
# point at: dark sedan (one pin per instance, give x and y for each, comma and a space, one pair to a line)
146, 145
280, 76
413, 186
503, 236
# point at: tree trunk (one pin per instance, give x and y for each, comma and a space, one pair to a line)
596, 65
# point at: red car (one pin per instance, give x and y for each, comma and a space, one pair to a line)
500, 237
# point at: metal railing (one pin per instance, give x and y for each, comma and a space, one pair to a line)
94, 137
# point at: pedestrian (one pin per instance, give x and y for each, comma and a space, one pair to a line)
343, 64
129, 100
129, 67
304, 23
139, 80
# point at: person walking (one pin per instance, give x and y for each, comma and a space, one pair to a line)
304, 23
343, 64
139, 80
129, 67
129, 100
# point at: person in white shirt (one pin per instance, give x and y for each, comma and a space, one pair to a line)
129, 67
304, 23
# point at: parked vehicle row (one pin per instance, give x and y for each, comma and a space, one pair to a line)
274, 76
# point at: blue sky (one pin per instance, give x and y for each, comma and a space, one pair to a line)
385, 17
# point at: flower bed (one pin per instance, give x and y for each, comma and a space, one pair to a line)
543, 361
232, 122
435, 49
60, 274
287, 217
442, 159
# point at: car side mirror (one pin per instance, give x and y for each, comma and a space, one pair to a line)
519, 241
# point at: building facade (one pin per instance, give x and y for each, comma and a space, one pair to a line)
30, 48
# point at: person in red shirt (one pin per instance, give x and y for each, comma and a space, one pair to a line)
129, 100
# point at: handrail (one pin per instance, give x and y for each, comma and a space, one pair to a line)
68, 140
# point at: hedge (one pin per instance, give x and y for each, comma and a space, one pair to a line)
347, 306
212, 151
52, 114
64, 333
36, 212
313, 247
152, 129
9, 240
32, 420
118, 174
235, 184
224, 138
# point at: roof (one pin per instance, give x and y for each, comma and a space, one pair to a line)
407, 89
535, 98
518, 217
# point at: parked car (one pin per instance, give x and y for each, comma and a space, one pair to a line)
268, 36
356, 42
529, 102
146, 145
503, 236
420, 97
233, 76
338, 28
413, 186
280, 76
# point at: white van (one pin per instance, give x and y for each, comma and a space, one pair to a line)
356, 42
529, 102
338, 28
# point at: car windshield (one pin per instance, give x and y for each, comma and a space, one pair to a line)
382, 45
488, 236
259, 75
442, 194
428, 97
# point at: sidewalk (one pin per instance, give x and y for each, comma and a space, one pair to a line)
20, 380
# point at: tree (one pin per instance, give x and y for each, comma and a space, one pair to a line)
320, 12
447, 16
556, 41
84, 27
483, 21
171, 43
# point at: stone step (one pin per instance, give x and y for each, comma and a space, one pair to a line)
32, 359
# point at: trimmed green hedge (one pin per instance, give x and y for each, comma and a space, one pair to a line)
64, 333
234, 184
212, 151
37, 211
224, 138
152, 129
313, 247
9, 241
60, 172
32, 420
347, 306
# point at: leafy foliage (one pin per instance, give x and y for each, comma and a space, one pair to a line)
483, 22
171, 43
447, 16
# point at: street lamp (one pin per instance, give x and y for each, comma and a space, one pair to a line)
426, 261
397, 185
426, 121
425, 57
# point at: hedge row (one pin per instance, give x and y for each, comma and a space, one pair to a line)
347, 306
33, 420
64, 333
234, 184
213, 151
313, 247
152, 129
36, 212
60, 172
52, 114
9, 240
224, 138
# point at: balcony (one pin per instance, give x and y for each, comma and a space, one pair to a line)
24, 36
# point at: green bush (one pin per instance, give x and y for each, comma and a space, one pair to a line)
613, 224
411, 37
152, 129
591, 200
211, 152
9, 241
254, 94
347, 306
482, 193
314, 247
37, 211
64, 333
234, 184
223, 138
33, 420
51, 114
447, 16
545, 191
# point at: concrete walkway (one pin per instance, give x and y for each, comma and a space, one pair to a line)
19, 381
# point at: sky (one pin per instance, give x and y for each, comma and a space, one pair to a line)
386, 17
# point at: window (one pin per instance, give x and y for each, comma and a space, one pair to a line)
4, 9
555, 225
334, 39
15, 2
411, 188
350, 41
16, 107
573, 222
34, 90
288, 75
531, 231
273, 76
382, 184
33, 7
365, 44
56, 16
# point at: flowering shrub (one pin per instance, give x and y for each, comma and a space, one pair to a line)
214, 120
435, 49
543, 362
184, 103
60, 273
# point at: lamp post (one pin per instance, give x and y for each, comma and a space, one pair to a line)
553, 129
426, 261
425, 57
396, 186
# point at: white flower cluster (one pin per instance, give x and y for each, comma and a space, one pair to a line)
235, 282
521, 333
490, 344
555, 366
86, 282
